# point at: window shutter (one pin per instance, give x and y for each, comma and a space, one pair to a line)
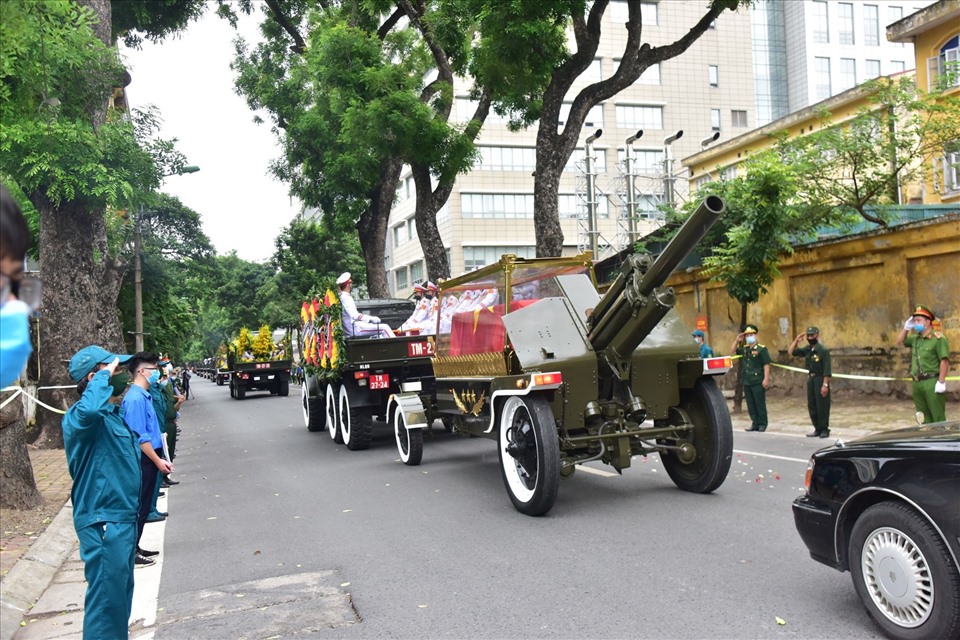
933, 72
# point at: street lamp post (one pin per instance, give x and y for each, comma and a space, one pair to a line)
137, 272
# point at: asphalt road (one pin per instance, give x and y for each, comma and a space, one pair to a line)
278, 532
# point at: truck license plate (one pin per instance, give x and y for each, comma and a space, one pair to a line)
380, 381
424, 348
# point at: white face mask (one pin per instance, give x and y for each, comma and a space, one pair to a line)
751, 339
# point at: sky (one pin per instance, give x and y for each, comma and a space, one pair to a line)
189, 79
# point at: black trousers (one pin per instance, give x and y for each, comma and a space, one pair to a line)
148, 480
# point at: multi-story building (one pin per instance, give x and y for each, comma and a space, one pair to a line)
833, 46
708, 90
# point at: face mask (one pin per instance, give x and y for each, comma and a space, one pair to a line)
164, 383
812, 340
698, 339
15, 345
119, 383
751, 339
919, 327
154, 377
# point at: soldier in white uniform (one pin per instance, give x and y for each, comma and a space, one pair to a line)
356, 323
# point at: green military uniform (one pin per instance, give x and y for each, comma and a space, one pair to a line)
926, 352
755, 357
818, 367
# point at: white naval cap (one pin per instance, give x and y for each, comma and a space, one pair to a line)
344, 278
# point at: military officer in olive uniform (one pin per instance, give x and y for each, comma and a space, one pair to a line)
818, 380
929, 364
756, 375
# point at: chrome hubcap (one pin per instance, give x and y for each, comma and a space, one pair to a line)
897, 577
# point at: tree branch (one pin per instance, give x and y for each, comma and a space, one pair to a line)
299, 46
390, 23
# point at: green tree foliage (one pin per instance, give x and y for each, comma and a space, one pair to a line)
860, 163
307, 254
152, 19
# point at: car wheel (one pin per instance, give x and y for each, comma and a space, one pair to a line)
529, 454
904, 574
333, 422
409, 441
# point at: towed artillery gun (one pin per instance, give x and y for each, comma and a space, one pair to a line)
560, 376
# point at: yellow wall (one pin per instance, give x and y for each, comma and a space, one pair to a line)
857, 290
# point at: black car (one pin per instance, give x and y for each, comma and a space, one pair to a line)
887, 508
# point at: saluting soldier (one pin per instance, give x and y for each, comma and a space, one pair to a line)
756, 375
818, 380
929, 363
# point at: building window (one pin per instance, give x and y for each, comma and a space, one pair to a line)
412, 229
845, 11
648, 12
508, 158
871, 25
638, 117
848, 73
467, 107
569, 204
739, 118
578, 156
650, 75
496, 205
893, 15
897, 66
715, 119
400, 278
821, 70
714, 75
594, 72
702, 180
644, 160
416, 272
873, 69
951, 169
476, 257
821, 23
594, 116
620, 13
399, 234
943, 71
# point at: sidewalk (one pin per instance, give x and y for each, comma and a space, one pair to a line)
42, 586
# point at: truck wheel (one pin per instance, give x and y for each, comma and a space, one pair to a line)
333, 421
903, 573
705, 465
357, 424
232, 392
409, 441
529, 454
241, 392
219, 382
314, 415
283, 389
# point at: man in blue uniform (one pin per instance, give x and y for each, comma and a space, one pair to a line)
104, 462
701, 339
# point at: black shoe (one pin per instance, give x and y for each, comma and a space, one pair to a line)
761, 430
161, 494
147, 554
751, 429
813, 435
166, 484
143, 561
825, 434
158, 519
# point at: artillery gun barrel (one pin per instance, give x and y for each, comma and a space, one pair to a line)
628, 312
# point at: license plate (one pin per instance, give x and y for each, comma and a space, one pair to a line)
380, 381
415, 349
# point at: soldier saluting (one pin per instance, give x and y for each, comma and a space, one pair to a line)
818, 380
929, 363
756, 375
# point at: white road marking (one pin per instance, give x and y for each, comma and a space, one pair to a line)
596, 472
146, 580
770, 455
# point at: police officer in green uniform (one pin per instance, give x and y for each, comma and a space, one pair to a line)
818, 380
756, 375
929, 364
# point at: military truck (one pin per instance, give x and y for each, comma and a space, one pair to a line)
351, 382
559, 376
254, 364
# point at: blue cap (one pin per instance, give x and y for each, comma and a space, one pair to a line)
697, 332
86, 359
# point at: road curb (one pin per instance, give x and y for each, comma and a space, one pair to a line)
34, 572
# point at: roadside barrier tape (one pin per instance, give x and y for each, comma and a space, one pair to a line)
65, 386
848, 376
42, 404
16, 391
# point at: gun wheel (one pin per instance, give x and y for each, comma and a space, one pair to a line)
409, 441
703, 460
333, 422
529, 454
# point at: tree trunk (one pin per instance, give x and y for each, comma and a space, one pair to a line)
16, 473
372, 227
428, 203
738, 389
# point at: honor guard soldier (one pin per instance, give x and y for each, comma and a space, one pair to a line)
756, 375
818, 380
929, 363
